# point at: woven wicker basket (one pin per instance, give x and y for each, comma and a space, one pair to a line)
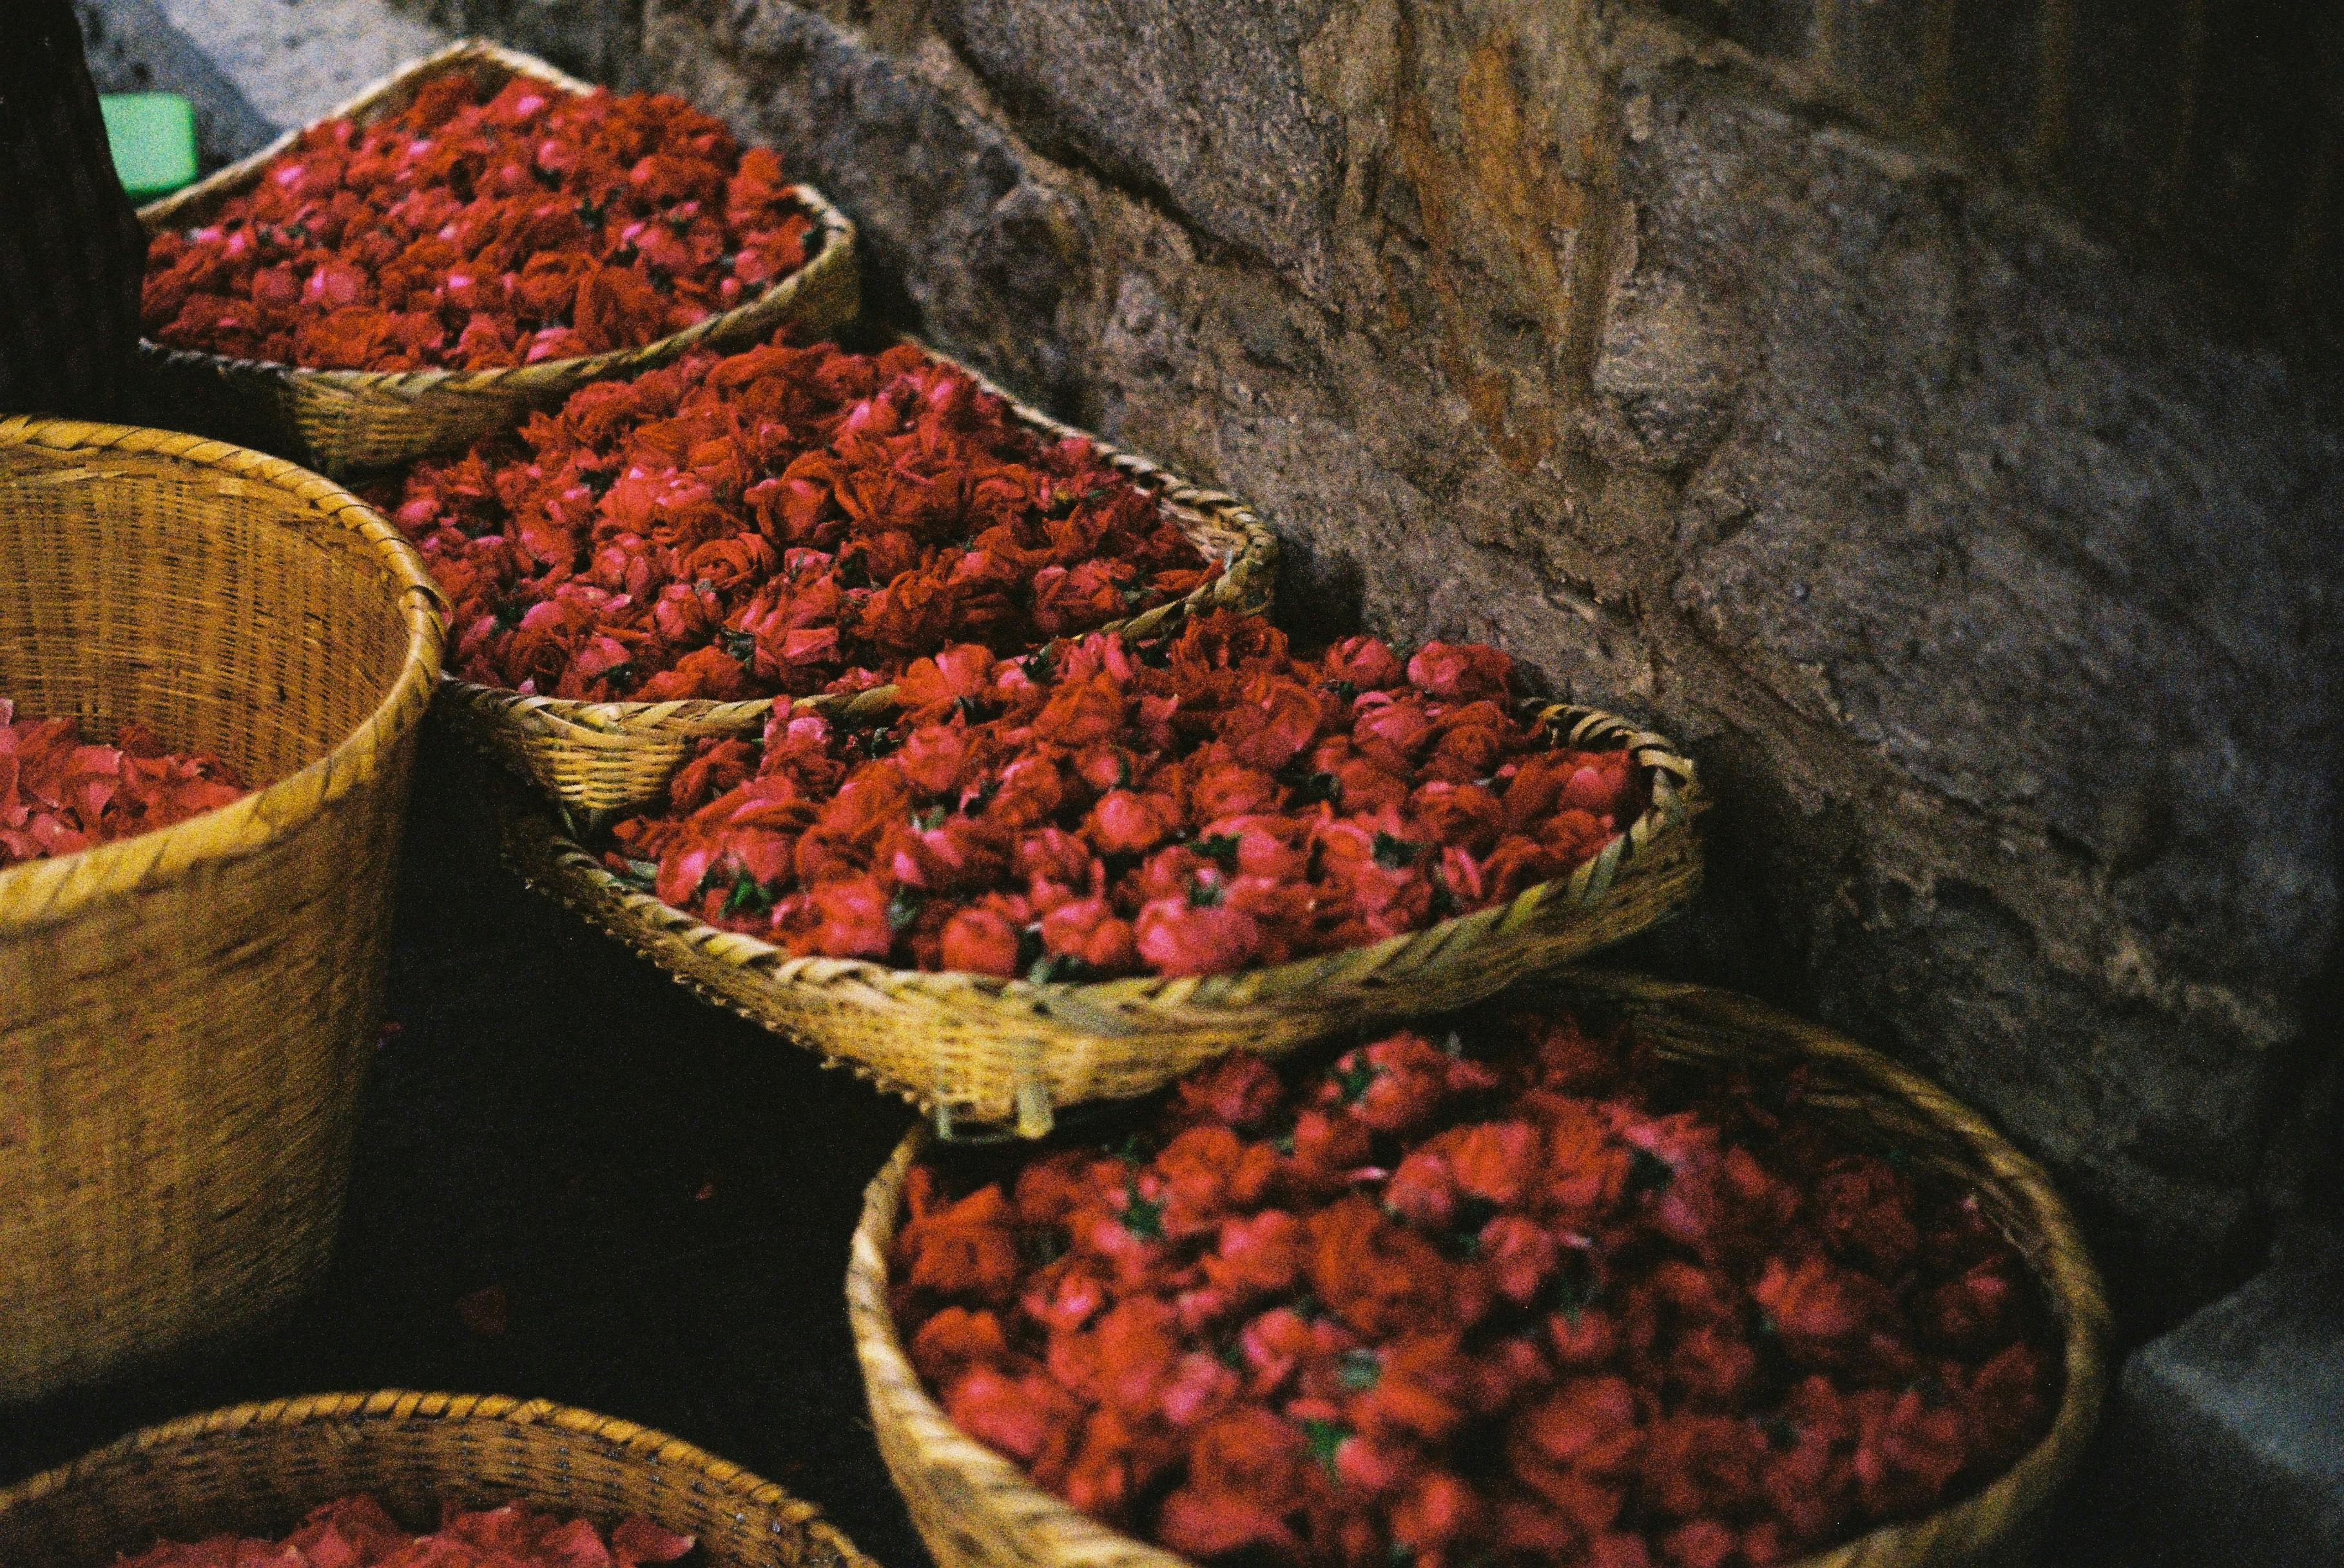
1007, 1054
184, 1017
339, 421
977, 1510
257, 1468
598, 760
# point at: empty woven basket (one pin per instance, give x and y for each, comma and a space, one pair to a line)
184, 1017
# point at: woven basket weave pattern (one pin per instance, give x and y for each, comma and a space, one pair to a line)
598, 760
977, 1510
340, 422
257, 1468
1007, 1053
184, 1016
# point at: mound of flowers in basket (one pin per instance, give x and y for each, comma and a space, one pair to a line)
1187, 805
357, 1532
60, 793
1555, 1304
536, 225
785, 521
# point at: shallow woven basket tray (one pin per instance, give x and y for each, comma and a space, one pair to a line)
339, 421
977, 1510
184, 1017
598, 760
257, 1468
972, 1048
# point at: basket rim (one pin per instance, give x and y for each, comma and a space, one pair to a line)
1244, 580
1677, 800
2063, 1268
41, 892
836, 229
719, 1475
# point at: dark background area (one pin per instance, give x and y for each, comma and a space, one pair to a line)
661, 1193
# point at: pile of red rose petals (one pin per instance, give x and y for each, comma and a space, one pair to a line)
60, 794
785, 521
1190, 805
535, 226
356, 1533
1559, 1304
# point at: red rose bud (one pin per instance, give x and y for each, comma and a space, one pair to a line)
1909, 1450
2006, 1398
1582, 1337
1712, 1367
355, 1532
1019, 1416
1258, 1255
1424, 1189
1066, 1298
1864, 1208
1373, 1467
1976, 1309
1391, 730
1617, 1550
981, 942
1521, 1255
1461, 672
1703, 1544
639, 1541
1439, 1509
1177, 936
1128, 824
851, 920
1239, 1091
956, 1339
1366, 663
1818, 1309
1232, 789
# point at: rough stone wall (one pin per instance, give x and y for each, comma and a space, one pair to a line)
2214, 129
1989, 571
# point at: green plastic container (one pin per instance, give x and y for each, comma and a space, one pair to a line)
154, 139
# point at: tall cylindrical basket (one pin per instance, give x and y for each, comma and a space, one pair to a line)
184, 1017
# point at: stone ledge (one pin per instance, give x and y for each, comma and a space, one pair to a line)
2226, 1438
132, 47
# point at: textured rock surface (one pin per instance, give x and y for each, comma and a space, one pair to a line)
1989, 569
599, 39
299, 59
2212, 130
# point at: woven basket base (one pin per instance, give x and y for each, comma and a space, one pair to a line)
257, 1468
1007, 1054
